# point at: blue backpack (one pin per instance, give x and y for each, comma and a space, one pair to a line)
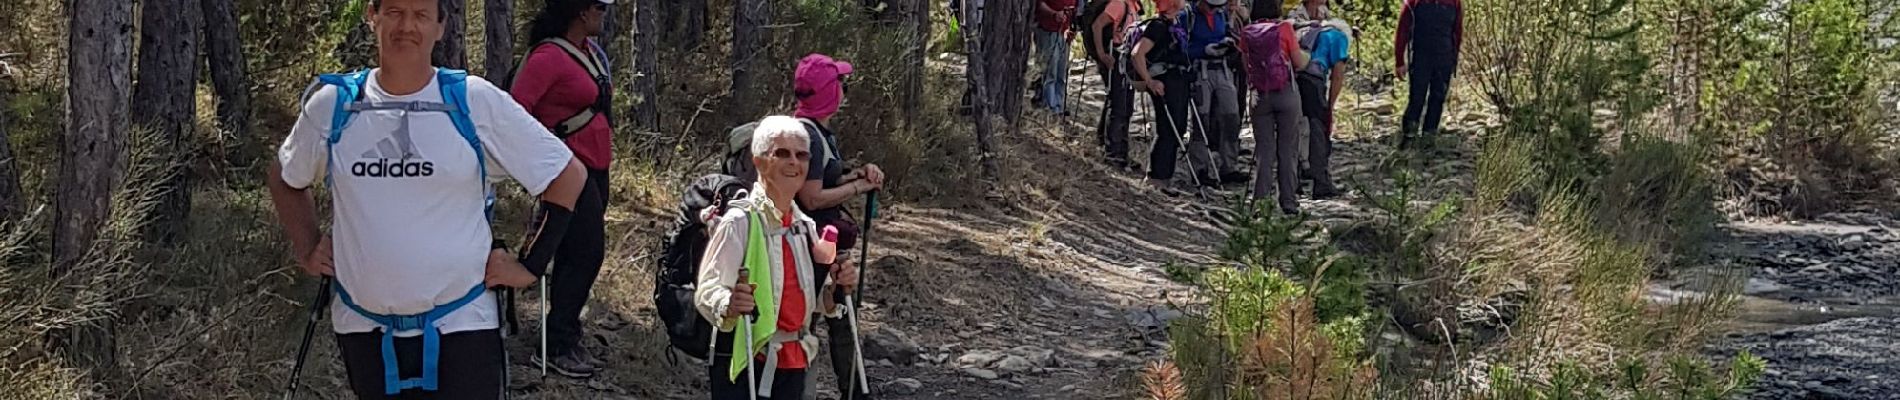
349, 102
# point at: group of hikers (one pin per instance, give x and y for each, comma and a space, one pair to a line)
425, 293
1198, 60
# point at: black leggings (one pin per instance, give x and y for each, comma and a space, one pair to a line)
789, 384
471, 365
1170, 119
577, 265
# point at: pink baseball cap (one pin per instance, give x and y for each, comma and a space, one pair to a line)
815, 72
818, 84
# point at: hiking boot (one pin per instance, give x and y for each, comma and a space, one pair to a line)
1162, 186
590, 357
1206, 179
572, 365
1235, 177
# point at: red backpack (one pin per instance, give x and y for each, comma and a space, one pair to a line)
1264, 57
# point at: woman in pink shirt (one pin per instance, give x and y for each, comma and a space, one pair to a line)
563, 82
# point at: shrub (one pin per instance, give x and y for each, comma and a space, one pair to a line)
1658, 192
1687, 378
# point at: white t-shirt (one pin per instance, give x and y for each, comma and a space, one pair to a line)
409, 229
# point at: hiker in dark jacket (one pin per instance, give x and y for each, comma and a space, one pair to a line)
1210, 41
818, 85
1433, 31
563, 83
1163, 68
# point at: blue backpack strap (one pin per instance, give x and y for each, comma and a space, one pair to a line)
349, 88
454, 84
431, 338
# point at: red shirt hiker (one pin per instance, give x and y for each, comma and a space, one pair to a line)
552, 87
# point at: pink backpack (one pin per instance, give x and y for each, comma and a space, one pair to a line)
1262, 53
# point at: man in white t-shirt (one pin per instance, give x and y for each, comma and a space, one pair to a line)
411, 233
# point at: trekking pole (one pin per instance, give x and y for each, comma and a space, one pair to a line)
544, 329
309, 329
1180, 138
850, 302
751, 369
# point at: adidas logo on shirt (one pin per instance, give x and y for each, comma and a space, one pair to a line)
390, 160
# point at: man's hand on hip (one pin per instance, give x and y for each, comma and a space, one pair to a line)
320, 261
504, 269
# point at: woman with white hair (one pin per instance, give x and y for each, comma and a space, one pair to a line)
773, 307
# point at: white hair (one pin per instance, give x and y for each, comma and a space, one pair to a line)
773, 128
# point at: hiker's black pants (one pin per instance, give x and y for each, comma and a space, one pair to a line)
1319, 121
471, 365
1121, 106
844, 358
789, 384
1171, 126
577, 264
1430, 83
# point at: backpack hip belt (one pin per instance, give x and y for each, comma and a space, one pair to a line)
779, 339
1219, 64
431, 338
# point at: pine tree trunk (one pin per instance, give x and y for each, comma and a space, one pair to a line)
92, 155
748, 43
450, 51
607, 34
12, 199
646, 51
981, 104
917, 15
498, 37
167, 80
687, 23
229, 79
1007, 29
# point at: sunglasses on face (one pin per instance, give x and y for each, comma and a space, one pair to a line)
788, 153
842, 88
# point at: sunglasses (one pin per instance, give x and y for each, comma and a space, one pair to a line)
843, 87
788, 153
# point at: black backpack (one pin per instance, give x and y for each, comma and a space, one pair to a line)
678, 271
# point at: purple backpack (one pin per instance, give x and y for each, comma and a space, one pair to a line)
1264, 57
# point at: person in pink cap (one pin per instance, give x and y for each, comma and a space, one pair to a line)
818, 84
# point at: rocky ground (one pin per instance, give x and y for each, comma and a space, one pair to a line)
1821, 306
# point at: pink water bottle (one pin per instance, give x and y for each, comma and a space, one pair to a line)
826, 249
